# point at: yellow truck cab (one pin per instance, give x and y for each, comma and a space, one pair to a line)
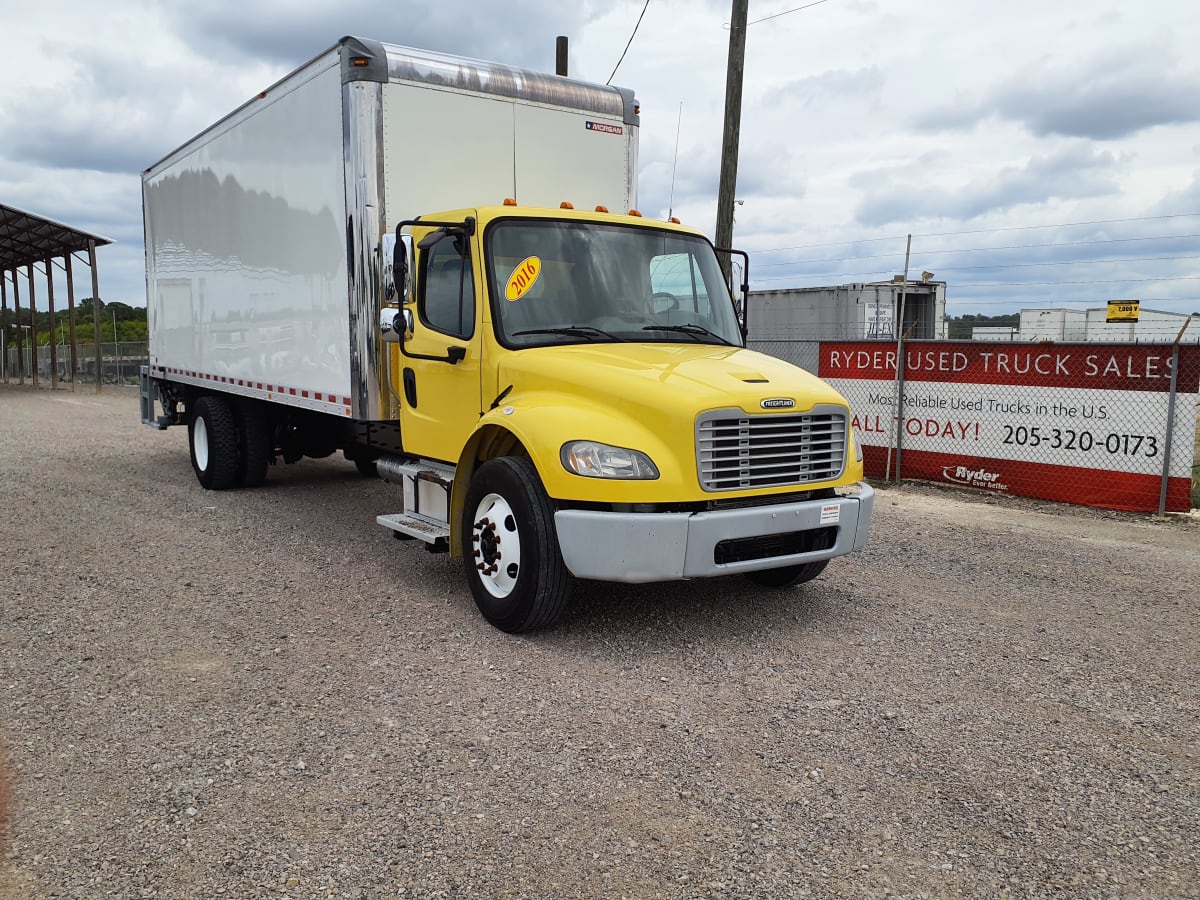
549, 392
582, 380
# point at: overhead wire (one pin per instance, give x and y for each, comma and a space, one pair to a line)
941, 250
901, 237
628, 43
786, 12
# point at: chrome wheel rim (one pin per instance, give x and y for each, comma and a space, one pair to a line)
496, 544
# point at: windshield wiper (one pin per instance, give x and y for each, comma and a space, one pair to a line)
586, 331
696, 331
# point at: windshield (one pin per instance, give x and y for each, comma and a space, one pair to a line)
556, 282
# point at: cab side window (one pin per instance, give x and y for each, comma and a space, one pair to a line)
447, 301
678, 274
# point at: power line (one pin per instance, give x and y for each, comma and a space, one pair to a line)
786, 12
1068, 262
942, 250
978, 284
628, 43
900, 237
1060, 225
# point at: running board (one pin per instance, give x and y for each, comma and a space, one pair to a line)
435, 534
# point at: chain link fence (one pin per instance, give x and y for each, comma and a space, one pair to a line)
120, 363
1103, 424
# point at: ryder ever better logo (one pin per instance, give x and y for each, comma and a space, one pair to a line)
977, 478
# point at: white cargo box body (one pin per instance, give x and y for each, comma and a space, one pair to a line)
264, 233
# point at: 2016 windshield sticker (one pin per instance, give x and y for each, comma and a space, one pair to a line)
523, 278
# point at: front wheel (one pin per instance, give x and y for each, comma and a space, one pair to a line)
788, 576
510, 547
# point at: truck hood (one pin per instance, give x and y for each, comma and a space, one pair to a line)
670, 378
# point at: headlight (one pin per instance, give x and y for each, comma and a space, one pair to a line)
596, 460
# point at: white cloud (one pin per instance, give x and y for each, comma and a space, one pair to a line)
861, 120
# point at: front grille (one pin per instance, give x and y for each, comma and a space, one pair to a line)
735, 451
771, 546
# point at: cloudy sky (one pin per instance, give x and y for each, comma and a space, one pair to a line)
1041, 154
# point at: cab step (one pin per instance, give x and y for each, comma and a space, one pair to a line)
407, 527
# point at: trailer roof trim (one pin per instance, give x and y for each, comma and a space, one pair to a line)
26, 238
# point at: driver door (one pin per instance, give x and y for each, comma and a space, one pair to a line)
441, 398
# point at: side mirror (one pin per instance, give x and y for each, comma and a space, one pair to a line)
398, 249
431, 239
396, 325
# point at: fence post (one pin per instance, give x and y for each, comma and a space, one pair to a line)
1166, 469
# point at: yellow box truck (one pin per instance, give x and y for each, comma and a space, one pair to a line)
436, 266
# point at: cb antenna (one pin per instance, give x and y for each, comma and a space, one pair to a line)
674, 162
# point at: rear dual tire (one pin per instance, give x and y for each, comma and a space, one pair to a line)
213, 439
231, 446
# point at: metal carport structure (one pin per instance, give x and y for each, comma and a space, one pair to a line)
28, 241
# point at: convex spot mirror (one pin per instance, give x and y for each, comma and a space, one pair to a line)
396, 325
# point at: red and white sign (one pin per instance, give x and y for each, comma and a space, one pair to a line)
1080, 423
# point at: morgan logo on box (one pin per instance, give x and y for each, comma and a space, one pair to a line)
778, 403
607, 129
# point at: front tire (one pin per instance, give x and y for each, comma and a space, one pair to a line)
788, 576
510, 547
213, 438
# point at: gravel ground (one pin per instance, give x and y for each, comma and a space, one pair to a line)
261, 694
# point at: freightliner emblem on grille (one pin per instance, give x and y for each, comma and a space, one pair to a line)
778, 403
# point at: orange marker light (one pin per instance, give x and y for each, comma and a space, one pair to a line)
674, 220
359, 61
566, 205
601, 209
634, 212
509, 201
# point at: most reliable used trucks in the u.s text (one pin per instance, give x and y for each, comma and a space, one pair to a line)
435, 266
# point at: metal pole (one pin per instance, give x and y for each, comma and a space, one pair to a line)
1166, 468
17, 321
95, 310
4, 324
900, 363
33, 360
117, 347
50, 306
733, 128
71, 320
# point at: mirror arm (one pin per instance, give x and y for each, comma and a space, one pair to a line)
454, 355
745, 286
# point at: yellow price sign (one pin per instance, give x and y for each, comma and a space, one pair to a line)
1123, 310
524, 277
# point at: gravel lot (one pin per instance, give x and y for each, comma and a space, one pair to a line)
261, 694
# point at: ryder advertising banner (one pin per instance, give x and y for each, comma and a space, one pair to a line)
1078, 423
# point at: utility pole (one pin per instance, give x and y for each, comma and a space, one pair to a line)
733, 127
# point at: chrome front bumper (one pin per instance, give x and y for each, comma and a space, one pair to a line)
640, 547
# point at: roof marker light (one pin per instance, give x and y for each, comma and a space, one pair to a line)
674, 220
566, 205
634, 212
510, 201
601, 209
